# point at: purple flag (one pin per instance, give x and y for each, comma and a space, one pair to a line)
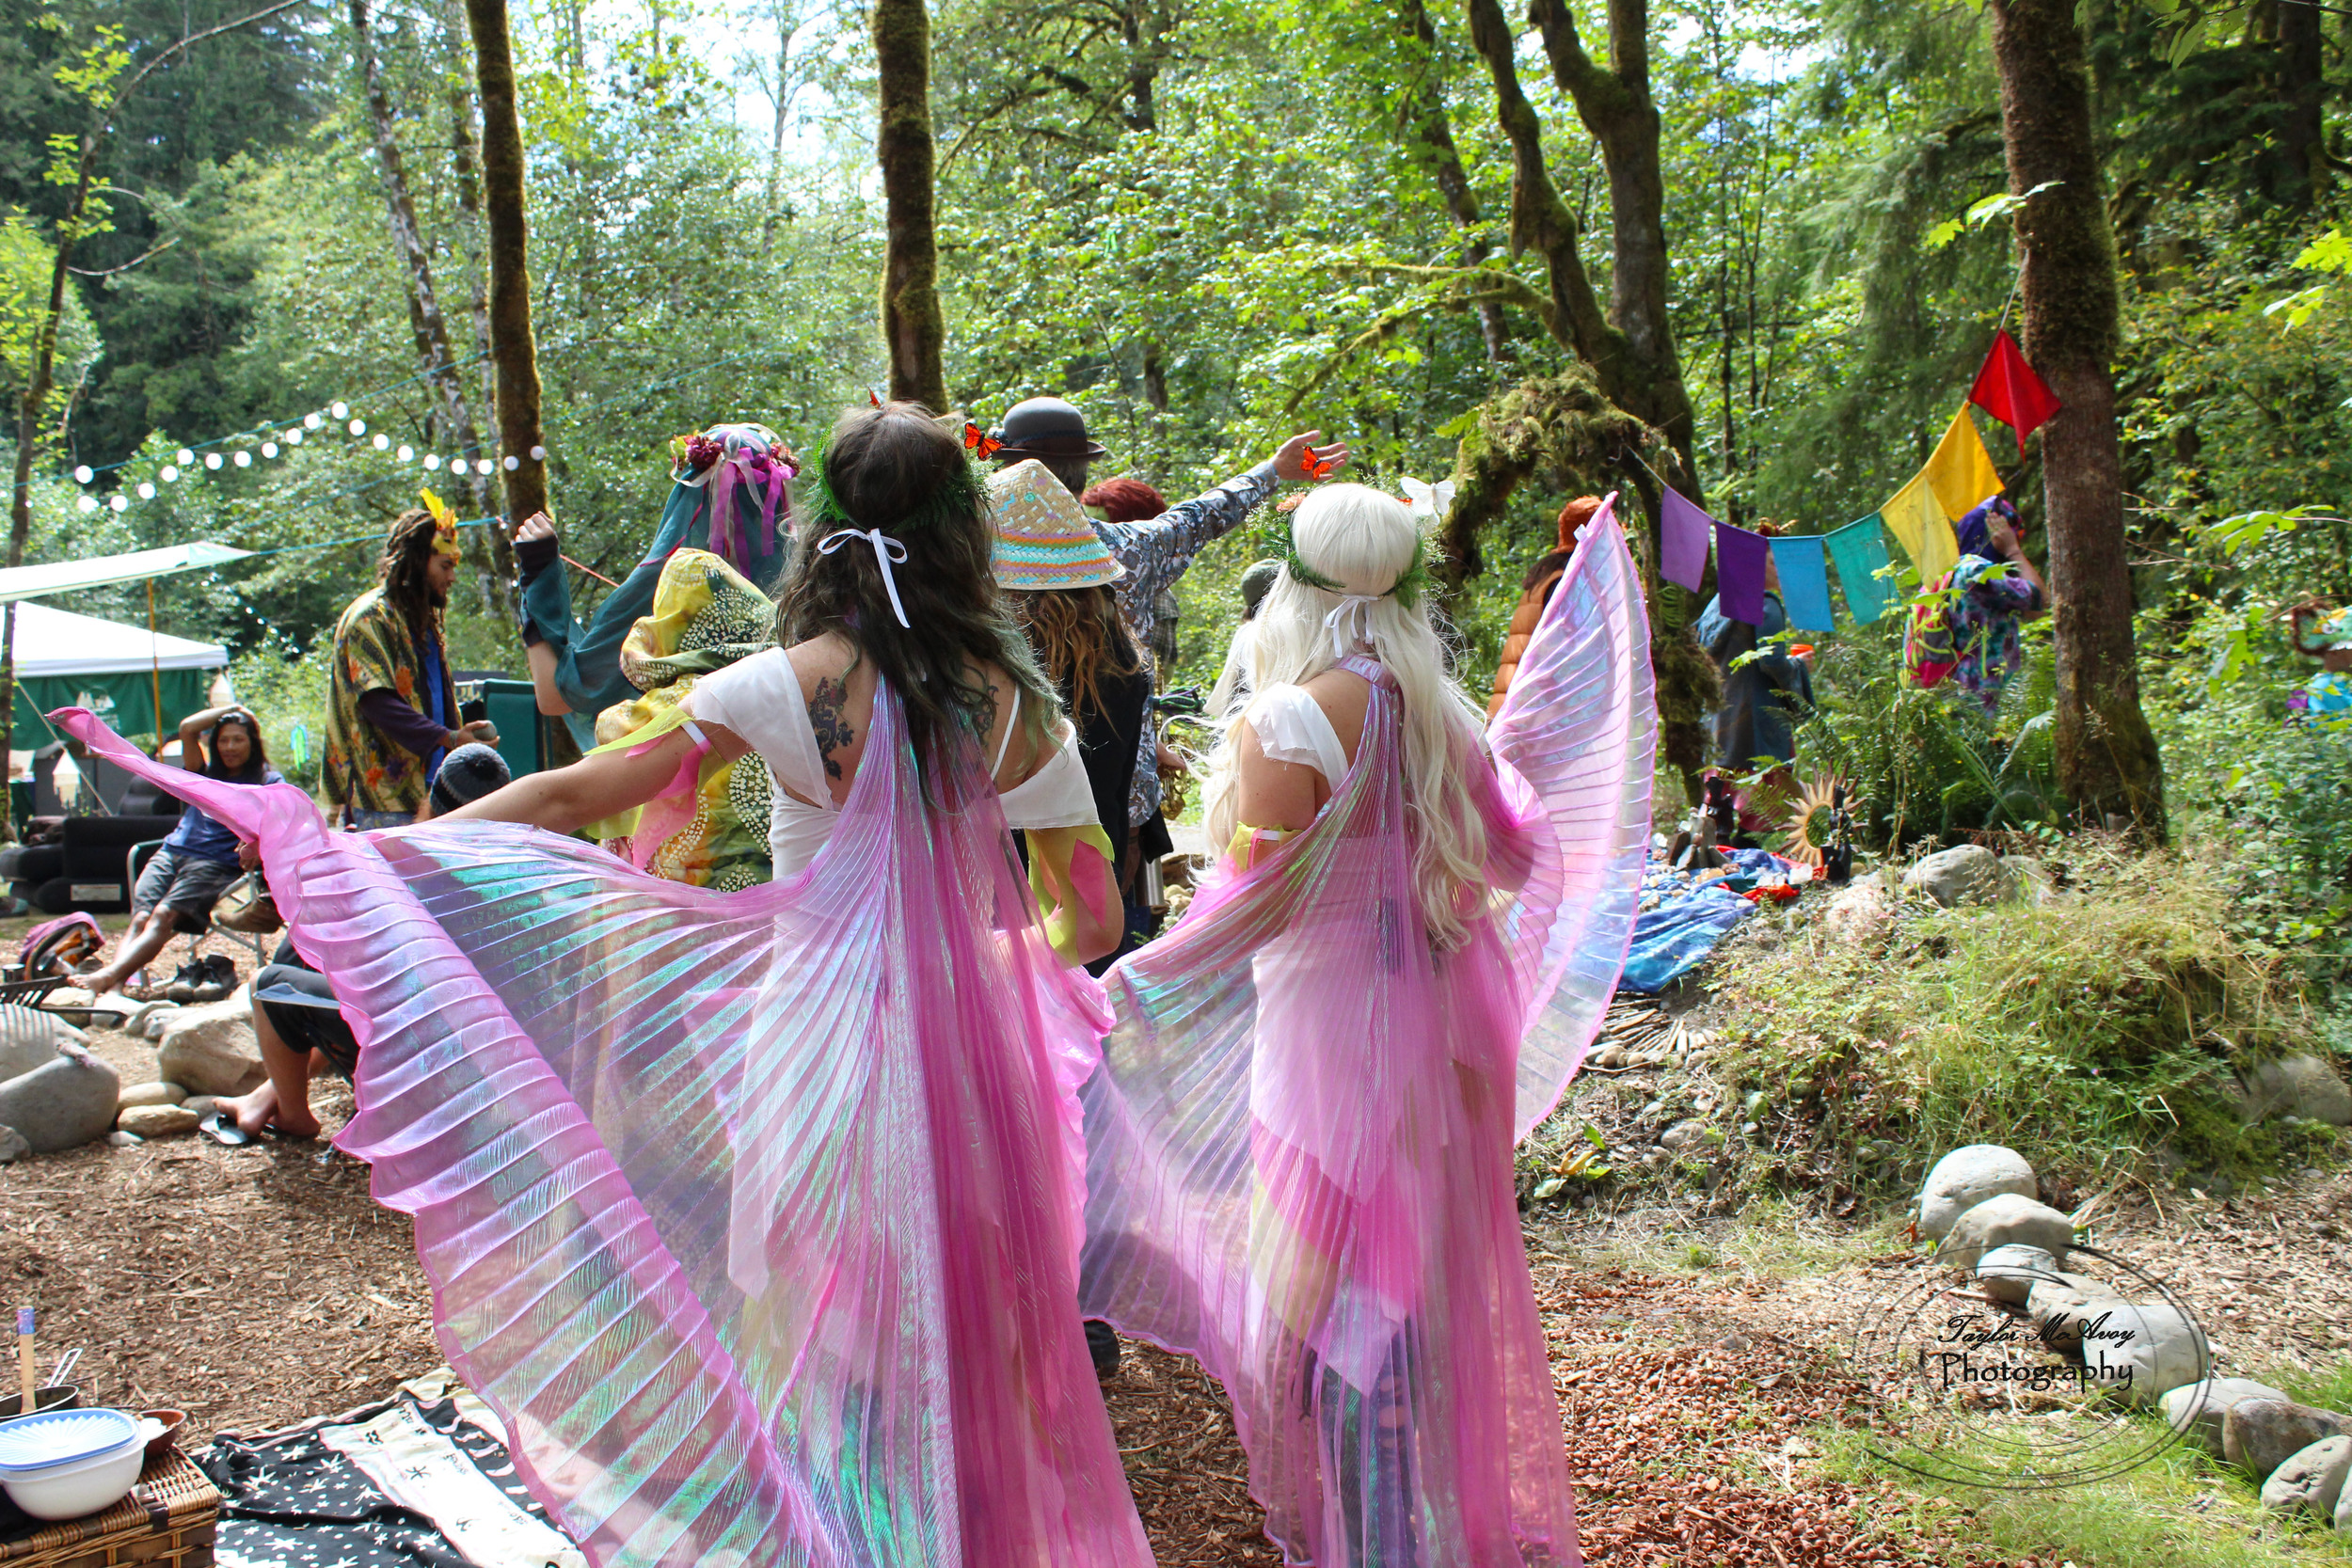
1682, 541
1739, 557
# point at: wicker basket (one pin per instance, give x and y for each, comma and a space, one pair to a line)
166, 1521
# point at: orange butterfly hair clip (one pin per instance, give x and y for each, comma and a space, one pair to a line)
1316, 466
979, 442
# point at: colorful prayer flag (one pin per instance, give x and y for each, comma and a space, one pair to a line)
1739, 557
1961, 470
1803, 581
1682, 541
2008, 389
1920, 520
1860, 549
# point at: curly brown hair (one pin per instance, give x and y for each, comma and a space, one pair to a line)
1079, 636
408, 552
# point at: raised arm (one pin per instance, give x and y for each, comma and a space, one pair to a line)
602, 785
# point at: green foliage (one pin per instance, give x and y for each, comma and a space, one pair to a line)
2084, 1033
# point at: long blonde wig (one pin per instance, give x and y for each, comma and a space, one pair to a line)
1364, 541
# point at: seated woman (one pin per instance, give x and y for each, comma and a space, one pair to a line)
199, 862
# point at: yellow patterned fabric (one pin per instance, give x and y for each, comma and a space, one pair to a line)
1961, 473
706, 615
1920, 520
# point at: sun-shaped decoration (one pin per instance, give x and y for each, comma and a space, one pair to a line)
1811, 827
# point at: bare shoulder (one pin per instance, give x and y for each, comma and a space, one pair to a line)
1343, 696
819, 660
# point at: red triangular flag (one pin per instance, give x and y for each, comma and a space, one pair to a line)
2008, 389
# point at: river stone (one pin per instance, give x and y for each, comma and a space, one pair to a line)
1970, 874
12, 1146
2005, 1219
2301, 1085
2309, 1479
2008, 1274
2059, 1308
2156, 1344
158, 1121
210, 1048
58, 1105
2197, 1408
1687, 1136
1965, 1177
152, 1094
2261, 1434
2028, 882
29, 1039
1859, 911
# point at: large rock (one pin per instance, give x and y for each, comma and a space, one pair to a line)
29, 1038
2142, 1351
2297, 1086
2005, 1220
1859, 911
210, 1049
2008, 1274
1969, 874
2059, 1308
2197, 1408
1965, 1177
2311, 1480
2027, 880
12, 1146
64, 1102
2263, 1434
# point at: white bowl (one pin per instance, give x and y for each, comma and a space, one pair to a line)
84, 1486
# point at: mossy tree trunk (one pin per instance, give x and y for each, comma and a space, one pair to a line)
1434, 130
913, 331
2070, 304
512, 350
452, 424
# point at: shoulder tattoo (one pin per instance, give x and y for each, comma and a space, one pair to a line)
825, 715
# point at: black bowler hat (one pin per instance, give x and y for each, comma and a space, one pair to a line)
1046, 427
468, 774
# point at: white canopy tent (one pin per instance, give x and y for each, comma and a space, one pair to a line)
59, 643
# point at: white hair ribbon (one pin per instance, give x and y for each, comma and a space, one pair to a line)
1428, 500
886, 550
1341, 643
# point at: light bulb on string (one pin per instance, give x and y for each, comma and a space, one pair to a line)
183, 457
212, 460
119, 501
511, 462
310, 422
538, 454
293, 437
433, 461
338, 409
269, 449
88, 503
405, 453
84, 474
382, 441
169, 475
244, 459
358, 427
486, 467
147, 492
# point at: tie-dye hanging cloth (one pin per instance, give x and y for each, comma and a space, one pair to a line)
1299, 1147
757, 1214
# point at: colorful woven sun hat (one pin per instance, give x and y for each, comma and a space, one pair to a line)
1044, 539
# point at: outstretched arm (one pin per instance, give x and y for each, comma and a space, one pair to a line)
602, 785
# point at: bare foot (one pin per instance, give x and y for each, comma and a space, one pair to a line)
257, 1112
100, 982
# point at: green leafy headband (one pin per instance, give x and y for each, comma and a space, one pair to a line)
962, 494
1406, 590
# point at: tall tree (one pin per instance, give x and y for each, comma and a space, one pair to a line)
512, 349
452, 424
913, 331
2070, 304
1424, 112
95, 77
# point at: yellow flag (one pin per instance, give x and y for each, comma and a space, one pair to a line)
1961, 470
1918, 520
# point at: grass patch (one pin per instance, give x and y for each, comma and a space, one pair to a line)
2327, 1387
1769, 1238
2083, 1032
2184, 1509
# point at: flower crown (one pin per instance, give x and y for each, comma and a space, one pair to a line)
1406, 590
962, 492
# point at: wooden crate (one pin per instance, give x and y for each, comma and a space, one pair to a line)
166, 1522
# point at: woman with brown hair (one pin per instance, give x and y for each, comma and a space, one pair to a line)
756, 1215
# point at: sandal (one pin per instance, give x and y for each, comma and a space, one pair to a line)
222, 1129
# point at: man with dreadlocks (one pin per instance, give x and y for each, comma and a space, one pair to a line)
391, 706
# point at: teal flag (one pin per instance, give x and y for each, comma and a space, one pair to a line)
1860, 549
1803, 581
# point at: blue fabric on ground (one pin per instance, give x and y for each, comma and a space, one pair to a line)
1676, 933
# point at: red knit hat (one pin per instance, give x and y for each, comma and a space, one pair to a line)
1573, 518
1125, 500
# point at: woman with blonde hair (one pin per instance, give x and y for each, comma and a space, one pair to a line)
1299, 1149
